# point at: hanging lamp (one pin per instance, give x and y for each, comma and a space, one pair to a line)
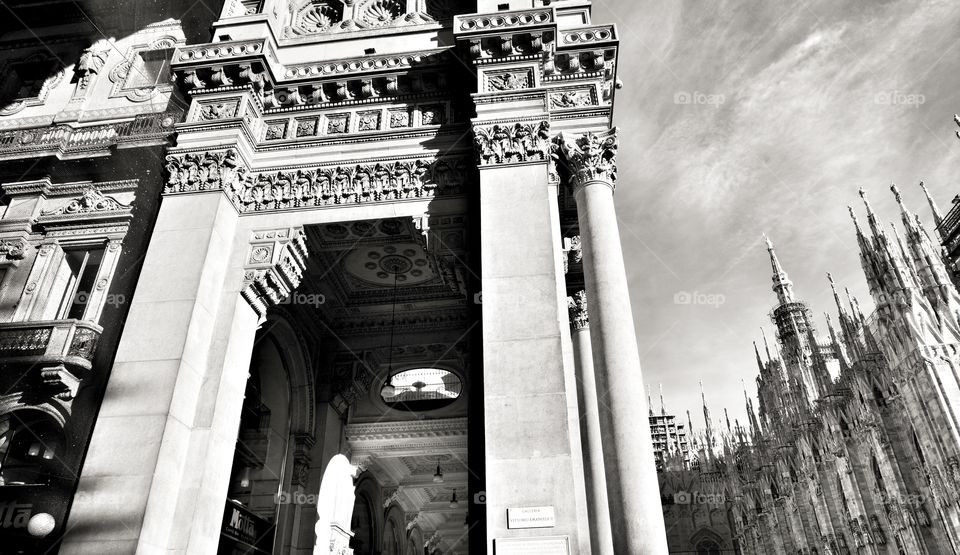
388, 389
438, 475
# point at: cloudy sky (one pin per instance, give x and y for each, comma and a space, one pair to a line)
740, 117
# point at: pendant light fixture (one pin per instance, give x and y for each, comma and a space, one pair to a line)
453, 500
438, 475
388, 390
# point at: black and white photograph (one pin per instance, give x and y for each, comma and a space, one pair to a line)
479, 277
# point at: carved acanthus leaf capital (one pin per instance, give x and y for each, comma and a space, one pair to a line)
203, 171
275, 265
577, 308
591, 157
505, 143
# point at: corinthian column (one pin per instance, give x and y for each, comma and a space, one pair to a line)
632, 487
601, 537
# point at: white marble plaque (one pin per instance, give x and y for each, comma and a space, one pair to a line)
531, 517
546, 545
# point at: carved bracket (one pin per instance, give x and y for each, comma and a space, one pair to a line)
275, 265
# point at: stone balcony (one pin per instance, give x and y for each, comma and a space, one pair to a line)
48, 358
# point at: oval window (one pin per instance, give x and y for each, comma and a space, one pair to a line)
422, 389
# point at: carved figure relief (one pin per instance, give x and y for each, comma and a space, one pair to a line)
504, 143
218, 110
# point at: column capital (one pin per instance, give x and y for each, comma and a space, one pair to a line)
274, 266
192, 172
591, 157
512, 142
577, 308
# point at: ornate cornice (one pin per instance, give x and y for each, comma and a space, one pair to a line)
577, 308
406, 430
590, 157
275, 263
518, 143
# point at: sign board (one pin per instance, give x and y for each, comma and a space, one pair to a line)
531, 517
244, 532
545, 545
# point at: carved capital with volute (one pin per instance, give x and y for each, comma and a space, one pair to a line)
590, 157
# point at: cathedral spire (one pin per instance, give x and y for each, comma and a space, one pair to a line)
756, 351
766, 346
937, 215
782, 285
663, 410
871, 217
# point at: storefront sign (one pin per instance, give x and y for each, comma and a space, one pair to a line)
531, 517
244, 531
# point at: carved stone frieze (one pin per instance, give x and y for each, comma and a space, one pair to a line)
201, 171
219, 109
274, 267
325, 17
361, 183
510, 80
572, 98
590, 157
577, 307
505, 143
92, 200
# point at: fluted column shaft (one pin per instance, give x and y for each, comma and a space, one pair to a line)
632, 486
601, 536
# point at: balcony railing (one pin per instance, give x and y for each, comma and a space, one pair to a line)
54, 341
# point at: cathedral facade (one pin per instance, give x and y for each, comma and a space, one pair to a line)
854, 445
311, 276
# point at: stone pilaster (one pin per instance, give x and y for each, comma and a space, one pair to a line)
633, 489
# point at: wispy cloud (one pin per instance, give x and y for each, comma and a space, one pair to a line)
784, 109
